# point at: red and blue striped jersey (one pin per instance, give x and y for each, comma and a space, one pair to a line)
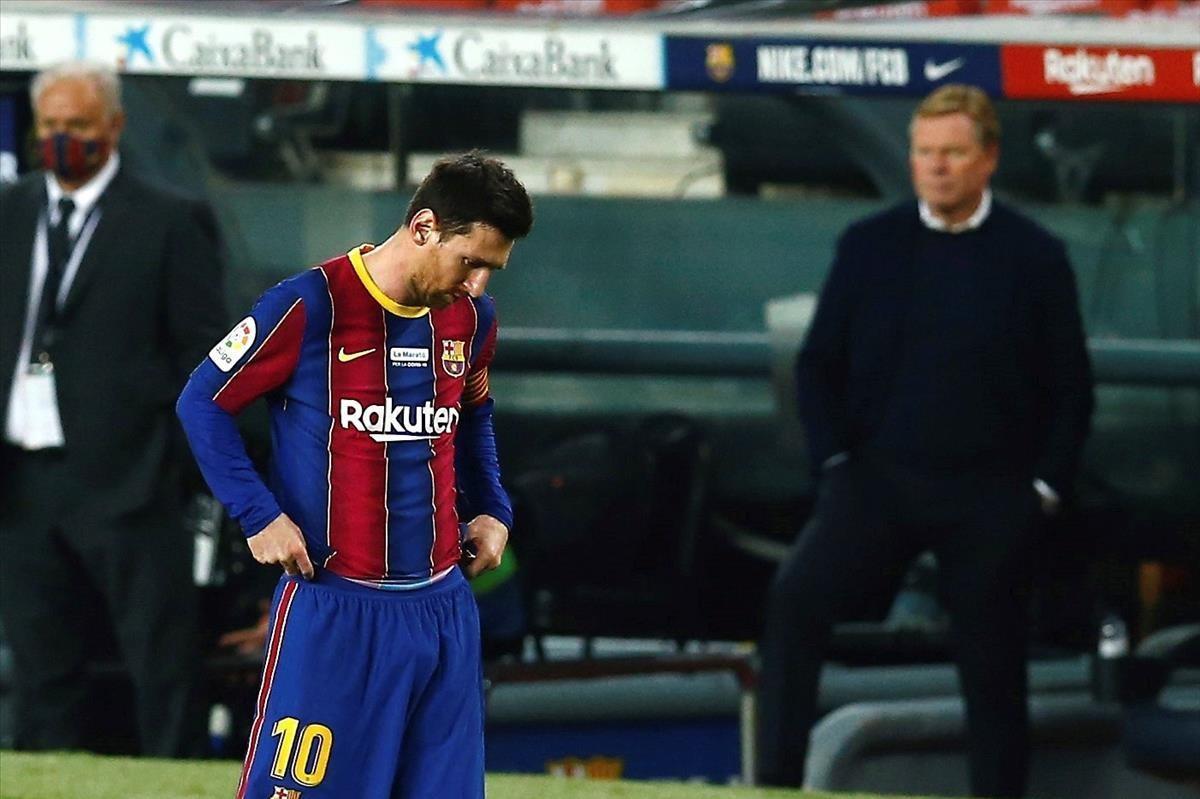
381, 422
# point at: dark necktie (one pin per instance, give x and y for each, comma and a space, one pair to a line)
60, 252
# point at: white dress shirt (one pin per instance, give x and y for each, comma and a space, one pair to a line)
935, 222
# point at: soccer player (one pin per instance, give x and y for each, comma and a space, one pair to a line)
374, 366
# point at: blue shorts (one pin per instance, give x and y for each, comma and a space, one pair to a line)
369, 694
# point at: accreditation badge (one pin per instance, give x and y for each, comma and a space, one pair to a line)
38, 420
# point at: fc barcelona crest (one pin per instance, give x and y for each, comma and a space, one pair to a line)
454, 357
719, 61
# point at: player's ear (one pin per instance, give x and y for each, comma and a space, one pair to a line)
422, 226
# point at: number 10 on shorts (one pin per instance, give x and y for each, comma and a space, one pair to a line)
308, 756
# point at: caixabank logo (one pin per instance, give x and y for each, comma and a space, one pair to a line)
476, 55
1101, 73
16, 46
32, 41
199, 45
198, 48
520, 56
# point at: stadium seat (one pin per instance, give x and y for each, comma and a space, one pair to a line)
917, 746
1161, 733
611, 524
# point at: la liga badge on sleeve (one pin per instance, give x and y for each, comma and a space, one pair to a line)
230, 349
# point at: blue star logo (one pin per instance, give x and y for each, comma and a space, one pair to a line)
135, 42
426, 48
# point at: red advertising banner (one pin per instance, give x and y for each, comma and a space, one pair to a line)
565, 8
1112, 8
906, 9
920, 9
1055, 7
1129, 74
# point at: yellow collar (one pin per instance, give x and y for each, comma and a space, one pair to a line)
389, 305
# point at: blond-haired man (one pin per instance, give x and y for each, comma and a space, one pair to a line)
946, 392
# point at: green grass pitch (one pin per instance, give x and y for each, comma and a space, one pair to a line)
70, 776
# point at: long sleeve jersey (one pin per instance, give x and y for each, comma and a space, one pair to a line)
369, 402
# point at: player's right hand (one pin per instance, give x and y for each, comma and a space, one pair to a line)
282, 542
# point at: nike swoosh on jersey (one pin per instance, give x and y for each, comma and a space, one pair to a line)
346, 357
935, 71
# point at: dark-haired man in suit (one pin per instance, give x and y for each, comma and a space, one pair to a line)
112, 292
946, 392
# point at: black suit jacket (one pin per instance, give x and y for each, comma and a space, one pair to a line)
145, 306
847, 365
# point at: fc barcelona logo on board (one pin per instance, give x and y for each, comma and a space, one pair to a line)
719, 61
454, 357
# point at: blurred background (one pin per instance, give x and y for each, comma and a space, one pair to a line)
689, 183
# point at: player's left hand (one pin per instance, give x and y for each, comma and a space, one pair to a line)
489, 537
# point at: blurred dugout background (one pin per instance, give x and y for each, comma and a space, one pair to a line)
642, 400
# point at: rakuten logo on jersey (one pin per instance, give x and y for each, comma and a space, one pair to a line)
1086, 73
390, 422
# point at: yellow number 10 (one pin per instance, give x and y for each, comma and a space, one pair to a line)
307, 769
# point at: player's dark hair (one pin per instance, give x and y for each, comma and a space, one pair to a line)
464, 189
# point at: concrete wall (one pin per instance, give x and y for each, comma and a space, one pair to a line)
711, 265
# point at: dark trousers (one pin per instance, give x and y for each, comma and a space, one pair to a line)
53, 566
870, 520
